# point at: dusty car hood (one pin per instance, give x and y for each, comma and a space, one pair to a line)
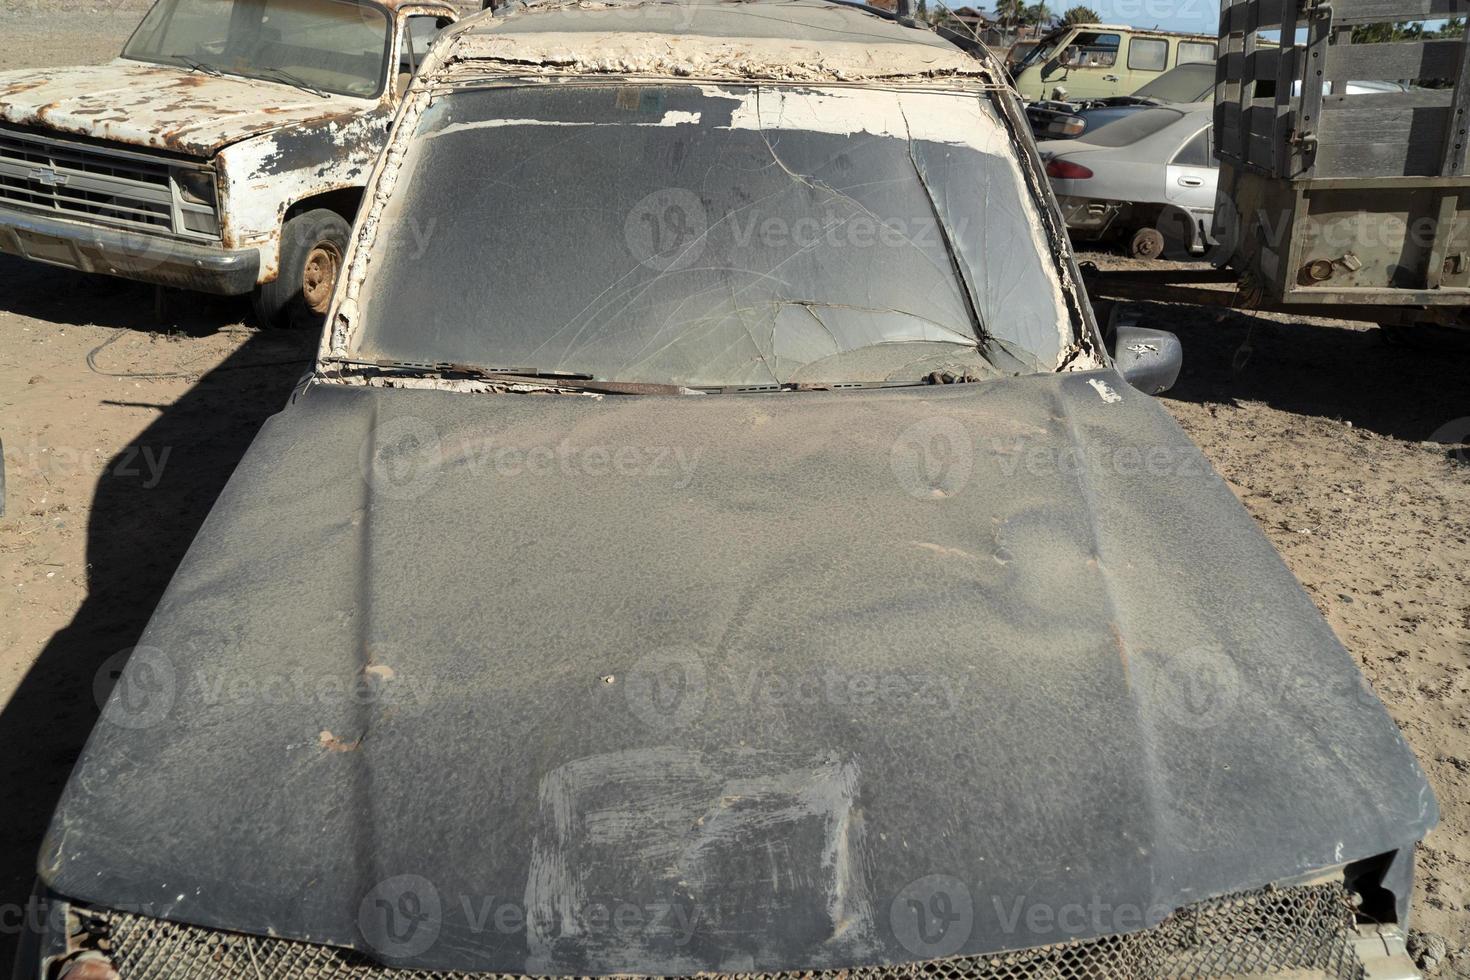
783, 666
158, 106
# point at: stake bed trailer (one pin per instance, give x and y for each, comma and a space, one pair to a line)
1350, 206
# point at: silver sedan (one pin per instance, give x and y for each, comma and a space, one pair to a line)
1148, 179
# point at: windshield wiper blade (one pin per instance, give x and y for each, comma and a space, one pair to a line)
292, 79
198, 65
561, 380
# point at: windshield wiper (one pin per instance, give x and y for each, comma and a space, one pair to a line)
198, 65
558, 380
283, 75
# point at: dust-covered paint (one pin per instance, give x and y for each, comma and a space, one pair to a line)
694, 56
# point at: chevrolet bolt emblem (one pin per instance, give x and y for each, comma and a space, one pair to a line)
49, 177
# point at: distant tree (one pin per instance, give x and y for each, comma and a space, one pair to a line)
1040, 15
1454, 27
1011, 13
1080, 15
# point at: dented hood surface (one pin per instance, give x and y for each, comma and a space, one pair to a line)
159, 106
552, 684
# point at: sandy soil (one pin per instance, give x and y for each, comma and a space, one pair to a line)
1322, 430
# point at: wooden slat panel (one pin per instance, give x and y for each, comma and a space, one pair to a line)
1258, 15
1394, 60
1227, 135
1286, 71
1384, 11
1309, 62
1263, 63
1458, 120
1385, 101
1358, 137
1259, 125
1234, 17
1376, 160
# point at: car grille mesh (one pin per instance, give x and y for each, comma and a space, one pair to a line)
1305, 930
71, 180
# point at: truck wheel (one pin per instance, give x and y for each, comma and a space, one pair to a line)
312, 246
1147, 243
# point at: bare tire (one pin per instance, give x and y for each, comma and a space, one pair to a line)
1147, 243
312, 246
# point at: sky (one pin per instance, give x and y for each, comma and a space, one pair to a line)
1197, 16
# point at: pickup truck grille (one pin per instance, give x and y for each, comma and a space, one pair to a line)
118, 188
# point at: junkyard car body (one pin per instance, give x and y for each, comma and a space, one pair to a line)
148, 168
615, 598
1152, 169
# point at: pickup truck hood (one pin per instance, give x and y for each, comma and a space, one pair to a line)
773, 661
159, 106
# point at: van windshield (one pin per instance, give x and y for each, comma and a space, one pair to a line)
714, 236
336, 46
1044, 49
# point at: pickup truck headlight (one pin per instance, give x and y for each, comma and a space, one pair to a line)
196, 186
196, 201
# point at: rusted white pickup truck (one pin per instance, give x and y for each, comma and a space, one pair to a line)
225, 151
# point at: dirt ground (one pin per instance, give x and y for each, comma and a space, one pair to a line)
121, 423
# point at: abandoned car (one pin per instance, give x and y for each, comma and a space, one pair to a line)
727, 547
225, 151
1148, 180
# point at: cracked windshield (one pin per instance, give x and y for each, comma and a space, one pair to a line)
715, 236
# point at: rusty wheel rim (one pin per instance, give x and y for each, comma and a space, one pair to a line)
319, 275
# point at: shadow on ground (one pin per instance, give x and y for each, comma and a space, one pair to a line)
64, 297
1409, 389
136, 536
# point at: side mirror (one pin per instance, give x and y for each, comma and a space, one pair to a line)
1149, 360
